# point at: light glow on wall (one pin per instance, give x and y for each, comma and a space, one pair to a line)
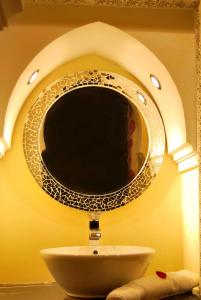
185, 157
183, 151
187, 164
176, 140
2, 148
190, 212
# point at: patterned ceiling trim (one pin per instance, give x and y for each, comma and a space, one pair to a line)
124, 3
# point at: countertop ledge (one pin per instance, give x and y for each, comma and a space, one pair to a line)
51, 291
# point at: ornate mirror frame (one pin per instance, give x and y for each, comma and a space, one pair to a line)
149, 112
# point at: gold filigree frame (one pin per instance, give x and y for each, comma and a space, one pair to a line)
198, 101
100, 202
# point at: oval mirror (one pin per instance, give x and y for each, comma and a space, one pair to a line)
94, 140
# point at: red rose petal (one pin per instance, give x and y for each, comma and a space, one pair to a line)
131, 127
161, 274
130, 143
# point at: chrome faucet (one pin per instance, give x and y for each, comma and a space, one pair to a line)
95, 233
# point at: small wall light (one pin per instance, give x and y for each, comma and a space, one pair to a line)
33, 77
141, 97
155, 81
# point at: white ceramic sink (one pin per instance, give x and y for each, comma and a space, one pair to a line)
93, 271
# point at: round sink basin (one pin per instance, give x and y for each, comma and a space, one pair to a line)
94, 271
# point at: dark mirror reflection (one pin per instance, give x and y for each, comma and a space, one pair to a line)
93, 141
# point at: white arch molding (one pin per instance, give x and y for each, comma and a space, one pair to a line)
130, 54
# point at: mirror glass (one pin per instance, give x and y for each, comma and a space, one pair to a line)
94, 140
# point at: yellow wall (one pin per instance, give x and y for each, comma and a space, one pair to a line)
190, 217
31, 220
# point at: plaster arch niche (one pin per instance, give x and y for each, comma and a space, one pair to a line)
124, 50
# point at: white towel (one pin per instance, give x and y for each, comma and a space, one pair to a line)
153, 287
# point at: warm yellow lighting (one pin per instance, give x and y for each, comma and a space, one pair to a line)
185, 157
182, 152
155, 81
190, 214
2, 148
33, 77
187, 164
196, 291
176, 137
141, 97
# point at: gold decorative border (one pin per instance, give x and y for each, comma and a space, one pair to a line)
124, 3
101, 202
198, 105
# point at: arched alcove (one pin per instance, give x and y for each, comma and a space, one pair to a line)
121, 48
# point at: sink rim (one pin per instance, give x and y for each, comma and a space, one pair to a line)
65, 251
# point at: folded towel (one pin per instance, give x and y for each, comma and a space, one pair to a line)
156, 286
196, 291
